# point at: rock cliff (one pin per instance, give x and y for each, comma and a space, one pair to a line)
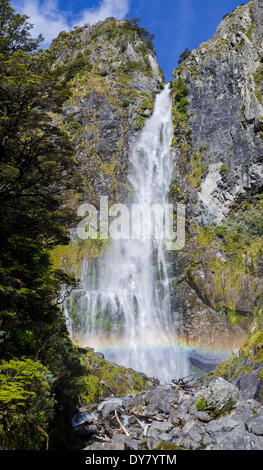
218, 115
114, 77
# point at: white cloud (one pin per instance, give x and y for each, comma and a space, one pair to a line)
116, 8
45, 17
49, 20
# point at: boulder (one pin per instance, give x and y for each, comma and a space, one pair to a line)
220, 396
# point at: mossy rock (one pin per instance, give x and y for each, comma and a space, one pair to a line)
162, 445
70, 257
105, 378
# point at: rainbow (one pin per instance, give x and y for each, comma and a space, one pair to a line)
117, 343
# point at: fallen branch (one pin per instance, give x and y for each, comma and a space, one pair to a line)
45, 434
121, 425
184, 384
146, 430
103, 438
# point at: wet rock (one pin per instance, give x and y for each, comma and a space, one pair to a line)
107, 408
205, 362
85, 431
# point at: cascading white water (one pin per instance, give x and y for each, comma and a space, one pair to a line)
125, 311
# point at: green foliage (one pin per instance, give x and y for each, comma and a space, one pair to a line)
223, 168
248, 360
108, 40
179, 96
200, 404
215, 412
198, 168
245, 224
80, 64
26, 404
240, 239
162, 445
15, 31
258, 79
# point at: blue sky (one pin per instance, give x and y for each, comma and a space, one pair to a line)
176, 24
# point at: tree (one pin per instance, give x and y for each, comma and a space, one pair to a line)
37, 168
26, 404
15, 31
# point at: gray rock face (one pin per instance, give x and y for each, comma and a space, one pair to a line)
113, 89
219, 171
225, 109
250, 383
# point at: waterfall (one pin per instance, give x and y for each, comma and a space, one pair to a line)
125, 310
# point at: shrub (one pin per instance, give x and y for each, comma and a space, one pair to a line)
200, 405
185, 54
26, 404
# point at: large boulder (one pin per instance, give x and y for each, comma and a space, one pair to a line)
219, 396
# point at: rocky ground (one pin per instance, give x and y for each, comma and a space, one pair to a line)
216, 416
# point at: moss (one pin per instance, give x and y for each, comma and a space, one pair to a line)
200, 405
223, 168
92, 389
198, 168
80, 52
162, 445
70, 257
250, 31
249, 356
253, 347
105, 378
258, 79
234, 318
241, 241
175, 190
